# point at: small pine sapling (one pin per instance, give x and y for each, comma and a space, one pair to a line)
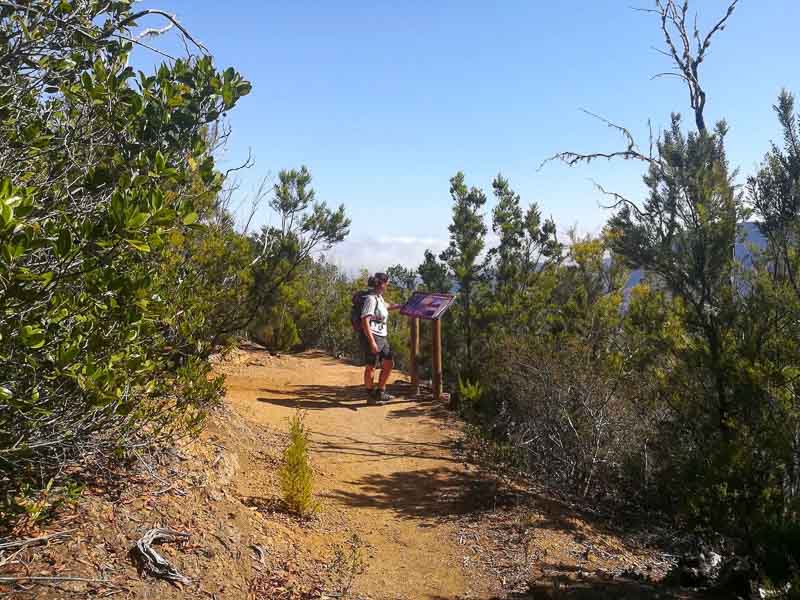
296, 474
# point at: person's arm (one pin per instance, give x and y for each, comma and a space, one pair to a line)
395, 306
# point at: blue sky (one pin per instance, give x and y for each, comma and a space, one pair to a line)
385, 101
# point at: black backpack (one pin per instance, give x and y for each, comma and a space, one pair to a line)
358, 307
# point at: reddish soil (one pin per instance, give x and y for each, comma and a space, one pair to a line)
401, 514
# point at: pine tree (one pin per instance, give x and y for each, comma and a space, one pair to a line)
402, 278
467, 238
433, 274
527, 248
684, 236
775, 193
509, 226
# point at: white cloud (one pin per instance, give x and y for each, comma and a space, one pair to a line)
378, 253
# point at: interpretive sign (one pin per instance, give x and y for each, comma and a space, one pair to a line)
427, 306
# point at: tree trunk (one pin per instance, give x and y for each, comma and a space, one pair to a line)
468, 325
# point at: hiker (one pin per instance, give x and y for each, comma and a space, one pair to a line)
374, 340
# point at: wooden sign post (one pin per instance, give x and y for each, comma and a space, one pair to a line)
413, 323
437, 359
429, 307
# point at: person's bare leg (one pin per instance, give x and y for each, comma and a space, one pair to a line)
368, 381
386, 370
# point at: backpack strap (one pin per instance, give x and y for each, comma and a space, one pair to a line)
367, 295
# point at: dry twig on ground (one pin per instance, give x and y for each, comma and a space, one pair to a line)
152, 562
34, 541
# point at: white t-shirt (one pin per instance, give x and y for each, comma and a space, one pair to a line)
375, 307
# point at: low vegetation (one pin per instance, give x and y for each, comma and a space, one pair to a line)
121, 269
677, 393
296, 474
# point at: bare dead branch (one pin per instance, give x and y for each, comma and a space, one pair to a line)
154, 32
155, 476
263, 192
155, 564
630, 153
54, 579
669, 74
660, 51
248, 163
679, 44
35, 541
644, 10
573, 158
143, 45
152, 11
720, 26
619, 200
624, 131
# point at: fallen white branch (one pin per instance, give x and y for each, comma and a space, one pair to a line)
54, 579
152, 561
34, 541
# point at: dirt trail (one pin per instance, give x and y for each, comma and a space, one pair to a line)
430, 526
389, 470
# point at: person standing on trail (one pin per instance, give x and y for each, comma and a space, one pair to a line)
374, 338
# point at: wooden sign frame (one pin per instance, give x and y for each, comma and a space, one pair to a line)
428, 307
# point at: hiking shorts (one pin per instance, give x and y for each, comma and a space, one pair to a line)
384, 350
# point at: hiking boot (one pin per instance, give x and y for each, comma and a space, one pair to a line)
378, 397
383, 397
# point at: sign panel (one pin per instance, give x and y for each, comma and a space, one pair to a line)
423, 305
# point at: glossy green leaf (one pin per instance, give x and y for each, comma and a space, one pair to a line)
32, 337
139, 245
64, 243
136, 220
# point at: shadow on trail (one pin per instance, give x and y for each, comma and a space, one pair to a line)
380, 448
318, 397
439, 492
594, 587
425, 410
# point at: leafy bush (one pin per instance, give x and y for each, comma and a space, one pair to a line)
469, 397
326, 322
682, 390
106, 175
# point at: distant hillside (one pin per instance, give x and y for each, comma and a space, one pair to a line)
752, 237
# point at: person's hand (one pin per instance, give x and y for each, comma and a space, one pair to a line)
374, 347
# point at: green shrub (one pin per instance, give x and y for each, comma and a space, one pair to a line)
469, 397
108, 187
296, 474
